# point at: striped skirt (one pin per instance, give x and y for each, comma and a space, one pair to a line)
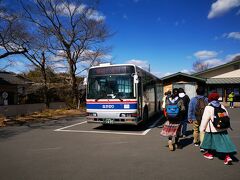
171, 129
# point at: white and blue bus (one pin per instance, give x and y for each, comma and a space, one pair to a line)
121, 94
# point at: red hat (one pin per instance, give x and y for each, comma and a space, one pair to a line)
213, 96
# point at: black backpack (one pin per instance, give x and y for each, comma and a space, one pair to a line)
221, 119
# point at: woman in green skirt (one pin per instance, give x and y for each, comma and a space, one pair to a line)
216, 139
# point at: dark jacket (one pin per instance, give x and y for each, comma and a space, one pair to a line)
186, 101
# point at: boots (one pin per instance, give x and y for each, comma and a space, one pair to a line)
170, 145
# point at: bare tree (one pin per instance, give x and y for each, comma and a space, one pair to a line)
199, 66
74, 28
93, 58
13, 34
16, 39
37, 53
236, 58
38, 59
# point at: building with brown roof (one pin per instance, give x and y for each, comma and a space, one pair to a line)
224, 79
12, 86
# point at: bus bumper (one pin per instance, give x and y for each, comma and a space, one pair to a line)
130, 121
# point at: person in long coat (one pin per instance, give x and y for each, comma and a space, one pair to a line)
215, 140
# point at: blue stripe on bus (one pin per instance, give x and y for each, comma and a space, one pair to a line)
112, 106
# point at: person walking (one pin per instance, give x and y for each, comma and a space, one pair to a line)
186, 101
231, 99
172, 127
167, 94
215, 122
195, 112
165, 97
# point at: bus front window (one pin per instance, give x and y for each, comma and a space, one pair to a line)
110, 87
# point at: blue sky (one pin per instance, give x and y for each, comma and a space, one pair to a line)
171, 34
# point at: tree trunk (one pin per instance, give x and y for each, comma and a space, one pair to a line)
45, 90
45, 87
73, 84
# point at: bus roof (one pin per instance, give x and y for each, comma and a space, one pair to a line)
135, 66
110, 65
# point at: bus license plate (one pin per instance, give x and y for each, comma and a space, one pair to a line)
108, 121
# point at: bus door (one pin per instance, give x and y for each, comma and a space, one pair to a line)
140, 97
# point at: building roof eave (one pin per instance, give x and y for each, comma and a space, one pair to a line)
217, 67
223, 81
183, 74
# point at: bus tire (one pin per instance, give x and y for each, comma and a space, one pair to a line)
145, 114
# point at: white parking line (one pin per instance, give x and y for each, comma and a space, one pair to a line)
152, 126
103, 132
64, 129
45, 149
60, 129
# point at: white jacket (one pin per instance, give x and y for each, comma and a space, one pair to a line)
207, 118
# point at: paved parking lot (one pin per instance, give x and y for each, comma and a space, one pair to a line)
84, 127
73, 149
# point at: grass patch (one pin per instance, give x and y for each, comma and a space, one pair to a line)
45, 115
2, 118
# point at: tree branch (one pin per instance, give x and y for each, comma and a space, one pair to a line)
12, 53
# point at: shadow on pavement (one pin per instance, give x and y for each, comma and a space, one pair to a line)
235, 159
185, 142
124, 127
9, 131
221, 156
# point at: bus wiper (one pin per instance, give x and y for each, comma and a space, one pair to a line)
114, 96
99, 98
102, 95
118, 97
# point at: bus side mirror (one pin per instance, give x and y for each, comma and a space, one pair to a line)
135, 79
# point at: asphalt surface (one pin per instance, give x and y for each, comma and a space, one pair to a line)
72, 149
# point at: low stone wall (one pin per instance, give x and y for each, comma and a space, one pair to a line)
23, 109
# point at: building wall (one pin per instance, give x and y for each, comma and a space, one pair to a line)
230, 71
220, 71
180, 81
167, 87
12, 93
235, 73
189, 87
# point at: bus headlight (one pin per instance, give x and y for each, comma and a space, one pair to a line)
92, 114
122, 115
128, 115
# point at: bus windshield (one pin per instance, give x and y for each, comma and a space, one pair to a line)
110, 87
